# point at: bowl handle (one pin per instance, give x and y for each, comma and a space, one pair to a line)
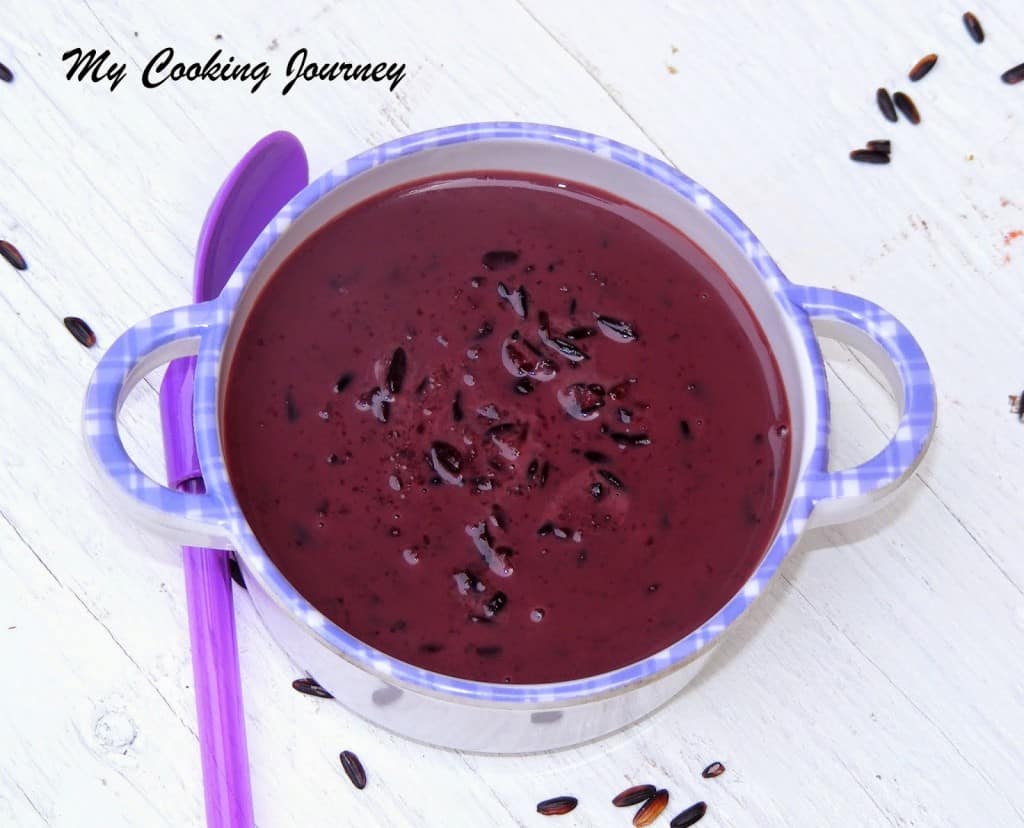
190, 518
854, 493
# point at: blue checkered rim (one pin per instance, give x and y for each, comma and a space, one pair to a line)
217, 514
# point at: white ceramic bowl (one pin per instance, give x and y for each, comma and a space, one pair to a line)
455, 712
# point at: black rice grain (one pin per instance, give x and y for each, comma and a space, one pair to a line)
1014, 75
651, 809
310, 687
557, 805
885, 104
568, 350
869, 156
235, 571
611, 478
713, 770
520, 302
494, 259
353, 768
396, 371
496, 604
907, 107
973, 27
80, 330
344, 381
634, 796
691, 816
623, 439
922, 67
12, 255
616, 329
446, 460
523, 386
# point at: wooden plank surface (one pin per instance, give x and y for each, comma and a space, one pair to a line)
879, 682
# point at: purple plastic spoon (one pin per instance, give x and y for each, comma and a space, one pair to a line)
267, 177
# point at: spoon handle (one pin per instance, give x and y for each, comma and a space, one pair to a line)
218, 689
259, 185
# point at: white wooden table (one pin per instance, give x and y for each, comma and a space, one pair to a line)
879, 682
